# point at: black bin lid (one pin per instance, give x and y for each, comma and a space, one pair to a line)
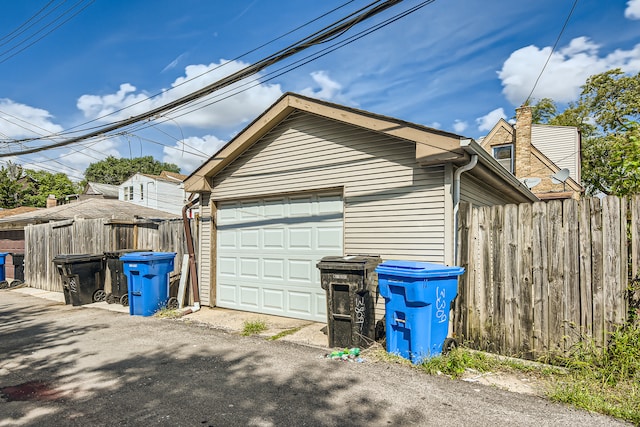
77, 258
349, 262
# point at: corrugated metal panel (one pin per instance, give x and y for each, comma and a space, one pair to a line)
205, 248
560, 144
387, 196
478, 194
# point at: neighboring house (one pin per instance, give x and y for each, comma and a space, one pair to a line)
541, 156
12, 240
164, 192
95, 190
310, 178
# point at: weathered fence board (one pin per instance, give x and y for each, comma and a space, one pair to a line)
44, 242
540, 278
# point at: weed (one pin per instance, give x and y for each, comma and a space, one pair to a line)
253, 327
167, 313
605, 380
284, 333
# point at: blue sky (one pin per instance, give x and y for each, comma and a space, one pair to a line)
457, 65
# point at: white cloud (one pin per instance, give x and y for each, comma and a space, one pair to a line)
328, 88
19, 120
204, 113
192, 152
487, 122
633, 9
435, 125
566, 72
460, 126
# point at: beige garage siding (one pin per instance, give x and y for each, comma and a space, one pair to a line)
392, 207
478, 194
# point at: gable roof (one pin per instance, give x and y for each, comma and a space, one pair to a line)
433, 146
88, 209
175, 178
106, 190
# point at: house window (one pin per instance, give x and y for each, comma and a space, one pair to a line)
504, 155
128, 193
141, 191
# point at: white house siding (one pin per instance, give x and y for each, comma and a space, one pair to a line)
205, 249
392, 207
478, 194
561, 144
156, 193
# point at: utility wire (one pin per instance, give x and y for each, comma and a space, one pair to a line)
97, 119
226, 81
575, 3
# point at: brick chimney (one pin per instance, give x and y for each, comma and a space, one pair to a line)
522, 149
51, 201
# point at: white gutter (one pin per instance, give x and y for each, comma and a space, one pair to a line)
456, 199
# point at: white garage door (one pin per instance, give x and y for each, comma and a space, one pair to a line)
268, 250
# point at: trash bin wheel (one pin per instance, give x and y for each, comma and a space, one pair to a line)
449, 344
124, 300
4, 284
99, 295
15, 283
110, 299
172, 304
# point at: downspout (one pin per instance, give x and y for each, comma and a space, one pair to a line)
456, 199
192, 258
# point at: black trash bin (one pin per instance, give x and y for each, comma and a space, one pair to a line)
119, 291
18, 268
350, 283
82, 277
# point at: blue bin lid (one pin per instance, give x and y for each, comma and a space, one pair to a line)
417, 269
147, 256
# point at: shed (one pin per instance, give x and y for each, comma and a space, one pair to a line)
309, 178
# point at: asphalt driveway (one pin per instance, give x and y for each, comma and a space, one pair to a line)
62, 365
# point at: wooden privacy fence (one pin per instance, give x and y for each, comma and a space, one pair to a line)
44, 242
540, 277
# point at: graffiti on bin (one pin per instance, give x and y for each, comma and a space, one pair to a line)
360, 312
441, 304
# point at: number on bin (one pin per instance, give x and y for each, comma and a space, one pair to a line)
441, 304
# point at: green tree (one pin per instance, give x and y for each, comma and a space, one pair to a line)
115, 171
11, 191
40, 184
607, 114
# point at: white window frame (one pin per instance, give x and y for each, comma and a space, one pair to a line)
502, 161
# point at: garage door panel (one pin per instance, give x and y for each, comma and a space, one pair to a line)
273, 269
329, 238
274, 238
299, 302
300, 238
249, 268
227, 294
249, 296
227, 267
268, 251
300, 270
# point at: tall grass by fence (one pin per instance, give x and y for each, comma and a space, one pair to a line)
540, 277
44, 242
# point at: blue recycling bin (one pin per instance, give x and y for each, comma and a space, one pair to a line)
417, 298
3, 274
147, 280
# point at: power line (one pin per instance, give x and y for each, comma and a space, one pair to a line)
97, 119
575, 2
312, 40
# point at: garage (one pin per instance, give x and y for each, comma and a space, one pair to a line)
268, 249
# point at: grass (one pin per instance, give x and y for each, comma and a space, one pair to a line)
166, 313
284, 333
606, 381
253, 327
